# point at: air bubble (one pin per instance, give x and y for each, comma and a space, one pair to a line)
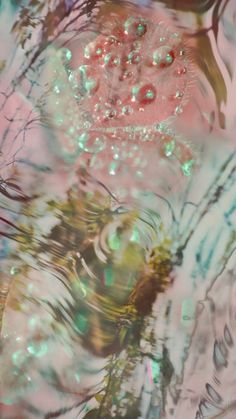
93, 51
127, 110
91, 142
181, 71
179, 95
14, 270
134, 57
135, 28
163, 57
126, 75
112, 168
178, 110
37, 349
169, 148
110, 114
58, 86
187, 167
89, 81
145, 94
111, 60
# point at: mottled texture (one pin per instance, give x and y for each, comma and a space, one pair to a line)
117, 281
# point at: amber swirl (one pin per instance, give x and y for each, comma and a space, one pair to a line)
117, 260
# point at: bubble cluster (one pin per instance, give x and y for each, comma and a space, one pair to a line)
120, 85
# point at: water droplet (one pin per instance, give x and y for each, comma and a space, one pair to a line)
110, 114
169, 148
58, 86
91, 142
126, 75
111, 60
127, 110
187, 167
87, 124
141, 29
114, 99
178, 110
179, 95
88, 79
135, 28
134, 57
111, 41
145, 94
97, 107
181, 71
163, 57
37, 349
112, 168
14, 270
139, 174
93, 51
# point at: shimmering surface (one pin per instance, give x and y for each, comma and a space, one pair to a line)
117, 210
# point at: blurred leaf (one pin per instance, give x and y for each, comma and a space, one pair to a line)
99, 397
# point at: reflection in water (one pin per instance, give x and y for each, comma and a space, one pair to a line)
117, 219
